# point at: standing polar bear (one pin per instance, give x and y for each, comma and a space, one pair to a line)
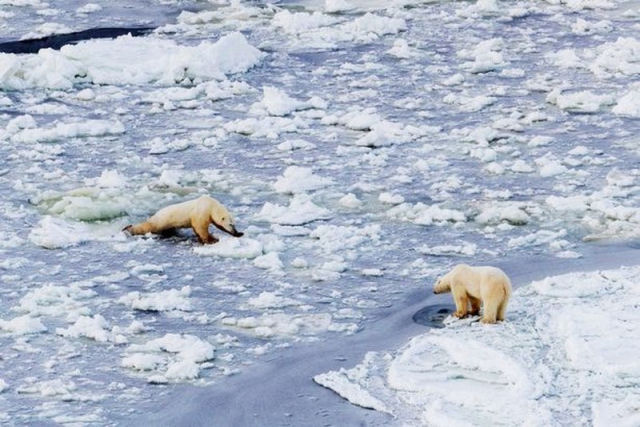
197, 214
474, 285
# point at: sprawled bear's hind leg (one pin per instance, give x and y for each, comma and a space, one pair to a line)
142, 228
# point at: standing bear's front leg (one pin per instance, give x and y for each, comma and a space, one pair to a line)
461, 300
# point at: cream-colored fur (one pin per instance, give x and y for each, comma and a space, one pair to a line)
197, 214
474, 286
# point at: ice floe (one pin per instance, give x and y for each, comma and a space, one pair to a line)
128, 60
171, 299
554, 358
232, 248
301, 210
173, 357
23, 325
298, 179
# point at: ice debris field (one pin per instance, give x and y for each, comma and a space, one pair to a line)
364, 147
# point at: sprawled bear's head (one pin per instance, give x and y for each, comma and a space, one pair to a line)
221, 218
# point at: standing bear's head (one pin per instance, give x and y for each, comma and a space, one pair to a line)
442, 285
221, 218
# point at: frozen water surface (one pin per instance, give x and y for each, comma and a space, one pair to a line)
363, 147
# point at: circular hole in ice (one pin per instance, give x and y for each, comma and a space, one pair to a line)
433, 315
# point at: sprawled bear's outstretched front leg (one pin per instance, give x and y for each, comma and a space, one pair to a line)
202, 231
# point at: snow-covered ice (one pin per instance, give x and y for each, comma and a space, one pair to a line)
567, 353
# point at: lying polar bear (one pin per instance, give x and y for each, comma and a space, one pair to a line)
473, 285
197, 214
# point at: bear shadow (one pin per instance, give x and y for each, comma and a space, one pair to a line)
433, 315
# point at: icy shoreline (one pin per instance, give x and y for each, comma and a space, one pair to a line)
281, 391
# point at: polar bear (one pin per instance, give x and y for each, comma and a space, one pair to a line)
473, 285
197, 214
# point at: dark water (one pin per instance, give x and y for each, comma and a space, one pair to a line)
433, 315
58, 40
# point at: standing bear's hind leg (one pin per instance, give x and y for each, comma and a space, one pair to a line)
490, 311
502, 309
475, 306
